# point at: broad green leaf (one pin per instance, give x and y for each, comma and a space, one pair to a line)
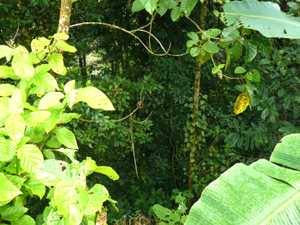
229, 34
97, 196
66, 137
22, 66
49, 172
150, 5
240, 70
193, 36
204, 57
187, 6
287, 152
215, 70
23, 49
56, 62
13, 213
256, 75
67, 117
36, 57
94, 98
15, 127
265, 17
68, 152
161, 9
241, 192
251, 50
17, 181
53, 143
108, 171
263, 44
36, 117
161, 212
25, 219
7, 89
35, 131
5, 105
44, 79
137, 6
211, 33
38, 91
50, 99
90, 164
35, 187
11, 147
65, 46
52, 120
41, 69
6, 153
70, 93
23, 141
30, 156
70, 86
7, 190
6, 51
48, 153
5, 71
236, 49
210, 47
39, 44
190, 43
52, 216
281, 92
195, 51
12, 168
67, 198
18, 99
175, 13
265, 113
61, 36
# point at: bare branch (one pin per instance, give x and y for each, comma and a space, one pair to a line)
132, 34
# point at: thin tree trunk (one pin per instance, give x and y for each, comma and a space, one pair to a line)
197, 78
65, 16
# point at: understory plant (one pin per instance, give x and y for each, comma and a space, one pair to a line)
36, 151
177, 216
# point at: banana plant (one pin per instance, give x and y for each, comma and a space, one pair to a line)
266, 17
265, 192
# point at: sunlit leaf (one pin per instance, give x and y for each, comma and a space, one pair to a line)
241, 103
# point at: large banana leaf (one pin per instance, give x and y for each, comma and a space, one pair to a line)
265, 17
266, 192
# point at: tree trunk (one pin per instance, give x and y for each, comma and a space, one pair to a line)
65, 16
197, 78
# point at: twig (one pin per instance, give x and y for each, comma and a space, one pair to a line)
208, 37
143, 120
13, 40
114, 121
221, 73
132, 34
132, 145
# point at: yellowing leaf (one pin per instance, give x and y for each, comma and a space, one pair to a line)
241, 103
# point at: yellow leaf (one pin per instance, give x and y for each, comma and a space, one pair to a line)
241, 103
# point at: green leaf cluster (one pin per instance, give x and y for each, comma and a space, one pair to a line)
33, 139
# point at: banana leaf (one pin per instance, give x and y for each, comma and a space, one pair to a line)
266, 192
265, 17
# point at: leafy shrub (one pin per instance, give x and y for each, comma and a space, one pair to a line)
36, 150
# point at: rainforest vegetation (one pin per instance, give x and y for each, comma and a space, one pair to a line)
149, 112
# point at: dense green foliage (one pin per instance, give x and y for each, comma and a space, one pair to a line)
31, 114
119, 65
